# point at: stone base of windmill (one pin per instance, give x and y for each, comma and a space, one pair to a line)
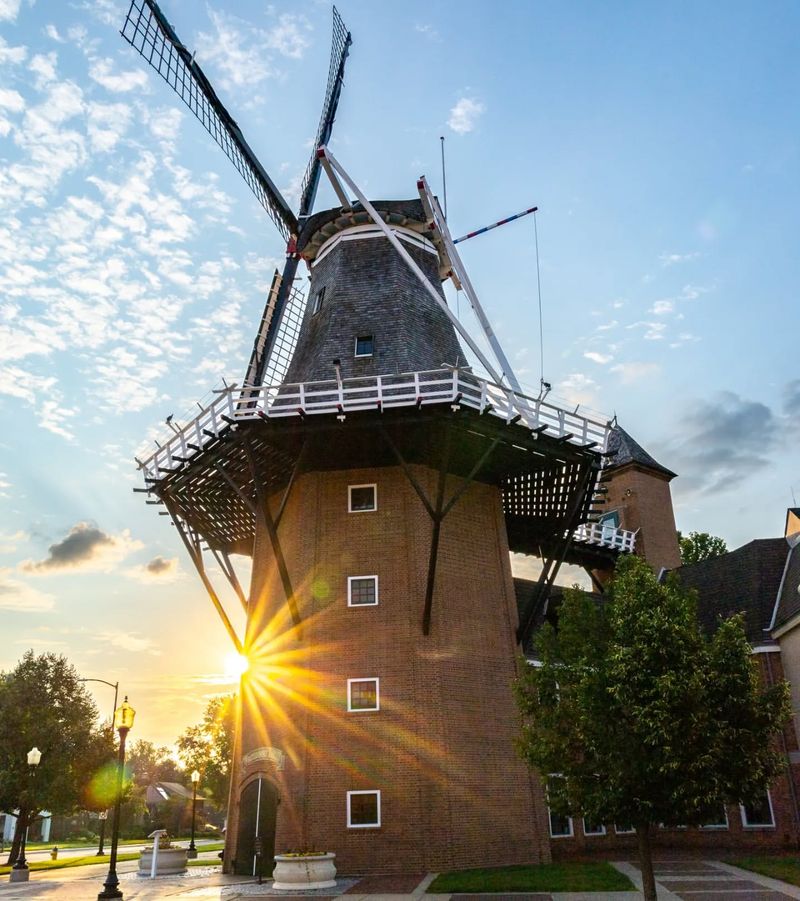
304, 871
171, 862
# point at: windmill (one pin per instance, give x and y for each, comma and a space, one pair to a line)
378, 484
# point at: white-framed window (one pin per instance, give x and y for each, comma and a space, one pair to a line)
363, 810
593, 828
718, 820
318, 301
363, 695
759, 815
560, 826
362, 591
362, 498
624, 829
365, 345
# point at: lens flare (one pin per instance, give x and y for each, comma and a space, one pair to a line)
236, 665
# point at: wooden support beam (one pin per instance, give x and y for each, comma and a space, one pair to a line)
437, 529
193, 547
263, 513
408, 473
224, 561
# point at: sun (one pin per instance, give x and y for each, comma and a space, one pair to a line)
236, 665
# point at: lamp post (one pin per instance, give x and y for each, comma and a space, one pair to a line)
192, 852
103, 816
20, 871
123, 723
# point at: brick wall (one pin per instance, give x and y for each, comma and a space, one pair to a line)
440, 750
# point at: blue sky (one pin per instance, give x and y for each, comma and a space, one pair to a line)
660, 143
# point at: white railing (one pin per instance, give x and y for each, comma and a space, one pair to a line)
606, 536
235, 404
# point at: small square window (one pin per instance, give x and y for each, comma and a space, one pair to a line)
560, 826
365, 346
363, 810
759, 813
318, 301
362, 498
623, 828
363, 694
362, 591
590, 828
718, 818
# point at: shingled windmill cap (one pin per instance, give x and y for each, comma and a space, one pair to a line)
624, 451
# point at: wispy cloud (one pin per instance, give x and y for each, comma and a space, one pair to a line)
596, 357
465, 114
102, 71
159, 570
671, 259
9, 9
635, 371
428, 31
18, 596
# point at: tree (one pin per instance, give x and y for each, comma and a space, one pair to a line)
208, 748
698, 546
43, 704
148, 764
643, 718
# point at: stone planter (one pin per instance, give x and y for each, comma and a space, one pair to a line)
307, 872
171, 861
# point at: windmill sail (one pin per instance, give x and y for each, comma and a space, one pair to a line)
268, 338
147, 30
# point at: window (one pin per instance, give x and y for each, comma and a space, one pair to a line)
318, 301
590, 828
365, 345
758, 814
560, 826
362, 591
624, 829
363, 809
362, 498
363, 694
718, 818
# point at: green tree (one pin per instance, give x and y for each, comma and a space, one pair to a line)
208, 748
43, 704
697, 546
148, 763
644, 718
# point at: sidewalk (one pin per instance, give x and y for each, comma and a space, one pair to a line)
688, 880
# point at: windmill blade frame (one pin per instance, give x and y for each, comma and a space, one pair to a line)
267, 337
147, 30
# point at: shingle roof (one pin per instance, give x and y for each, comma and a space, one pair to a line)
626, 450
743, 581
789, 604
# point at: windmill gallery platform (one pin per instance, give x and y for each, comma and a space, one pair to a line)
379, 485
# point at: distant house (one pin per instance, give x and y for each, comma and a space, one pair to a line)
162, 795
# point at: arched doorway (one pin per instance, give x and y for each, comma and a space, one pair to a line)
258, 807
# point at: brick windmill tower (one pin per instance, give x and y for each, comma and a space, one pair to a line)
379, 485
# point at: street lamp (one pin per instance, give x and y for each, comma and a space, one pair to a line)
123, 723
103, 815
192, 852
20, 871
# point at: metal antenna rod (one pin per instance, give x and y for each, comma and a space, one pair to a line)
444, 179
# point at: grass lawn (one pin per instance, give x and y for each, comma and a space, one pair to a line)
785, 868
82, 843
552, 877
71, 862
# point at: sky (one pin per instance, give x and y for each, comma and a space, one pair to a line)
659, 141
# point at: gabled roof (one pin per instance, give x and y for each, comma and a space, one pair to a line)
159, 792
746, 581
789, 602
626, 451
792, 526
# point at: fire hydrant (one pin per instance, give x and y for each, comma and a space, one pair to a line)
54, 853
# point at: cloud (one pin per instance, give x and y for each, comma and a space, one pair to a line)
128, 641
119, 83
464, 115
244, 54
722, 441
12, 55
662, 307
670, 259
18, 596
85, 548
160, 570
577, 388
8, 543
635, 371
428, 31
791, 400
596, 357
9, 10
11, 100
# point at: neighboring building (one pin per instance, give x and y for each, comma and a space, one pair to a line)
39, 831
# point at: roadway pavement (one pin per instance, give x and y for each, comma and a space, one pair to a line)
89, 850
